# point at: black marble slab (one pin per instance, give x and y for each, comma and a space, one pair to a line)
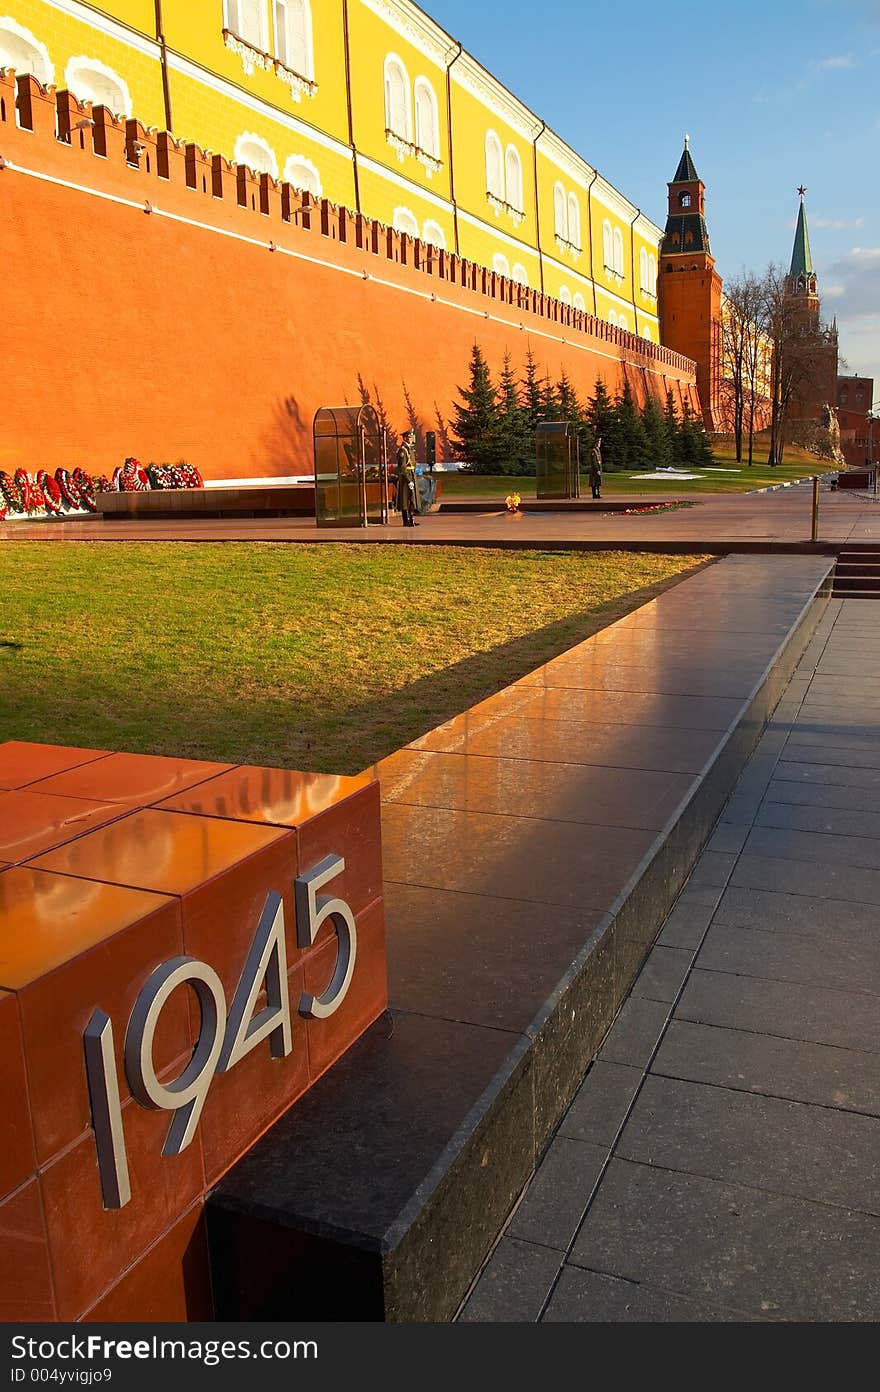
380, 1193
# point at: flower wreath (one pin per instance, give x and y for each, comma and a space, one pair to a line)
133, 479
68, 489
177, 477
10, 493
51, 493
85, 487
24, 484
191, 476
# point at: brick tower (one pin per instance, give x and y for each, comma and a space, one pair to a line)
690, 287
819, 389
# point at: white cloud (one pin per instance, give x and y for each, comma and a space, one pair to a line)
835, 64
837, 224
852, 285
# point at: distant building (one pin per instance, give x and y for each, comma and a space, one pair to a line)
859, 429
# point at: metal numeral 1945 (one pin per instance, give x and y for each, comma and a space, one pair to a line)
225, 1037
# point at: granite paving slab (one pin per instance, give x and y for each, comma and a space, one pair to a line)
591, 1297
601, 1103
514, 1285
847, 1019
773, 1066
558, 1195
793, 1148
769, 1255
777, 955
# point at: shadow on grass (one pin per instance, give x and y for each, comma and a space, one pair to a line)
171, 718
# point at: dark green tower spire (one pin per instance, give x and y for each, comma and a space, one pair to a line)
801, 260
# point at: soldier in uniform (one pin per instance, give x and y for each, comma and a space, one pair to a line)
596, 469
406, 482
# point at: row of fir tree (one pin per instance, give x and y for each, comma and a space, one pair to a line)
493, 425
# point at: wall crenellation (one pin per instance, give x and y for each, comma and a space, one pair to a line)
156, 156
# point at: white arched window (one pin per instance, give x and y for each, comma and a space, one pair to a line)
574, 221
612, 317
564, 295
579, 302
427, 118
398, 108
248, 20
91, 80
293, 36
607, 246
256, 153
644, 273
646, 332
405, 221
621, 322
519, 273
618, 252
302, 174
433, 233
500, 264
560, 222
19, 49
513, 178
652, 273
494, 166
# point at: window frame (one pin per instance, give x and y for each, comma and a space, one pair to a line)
493, 139
230, 6
517, 204
425, 87
394, 60
307, 70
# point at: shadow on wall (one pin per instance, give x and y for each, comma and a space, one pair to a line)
287, 441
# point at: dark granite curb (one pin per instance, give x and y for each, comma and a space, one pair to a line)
308, 1224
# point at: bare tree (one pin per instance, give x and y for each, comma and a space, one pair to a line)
802, 350
744, 340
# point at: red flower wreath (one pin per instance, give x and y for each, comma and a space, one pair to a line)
24, 484
85, 486
10, 493
191, 476
51, 493
69, 490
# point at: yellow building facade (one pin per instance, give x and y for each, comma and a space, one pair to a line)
370, 104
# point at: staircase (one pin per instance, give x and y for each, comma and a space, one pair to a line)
857, 574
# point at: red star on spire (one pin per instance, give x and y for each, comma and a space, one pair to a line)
802, 190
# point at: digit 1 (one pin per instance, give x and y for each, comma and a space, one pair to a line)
311, 911
186, 1094
103, 1083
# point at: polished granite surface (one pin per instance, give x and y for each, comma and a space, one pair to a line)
514, 838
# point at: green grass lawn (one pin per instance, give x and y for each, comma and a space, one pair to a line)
798, 464
314, 657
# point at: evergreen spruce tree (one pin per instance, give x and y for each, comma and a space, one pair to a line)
475, 419
695, 447
572, 409
602, 419
631, 435
516, 451
531, 389
656, 436
671, 430
549, 401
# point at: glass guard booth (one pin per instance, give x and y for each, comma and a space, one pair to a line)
351, 472
558, 460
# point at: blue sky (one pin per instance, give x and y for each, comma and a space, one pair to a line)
774, 93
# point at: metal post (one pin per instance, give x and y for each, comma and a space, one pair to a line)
815, 535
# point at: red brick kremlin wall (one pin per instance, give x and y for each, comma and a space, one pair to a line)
131, 331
